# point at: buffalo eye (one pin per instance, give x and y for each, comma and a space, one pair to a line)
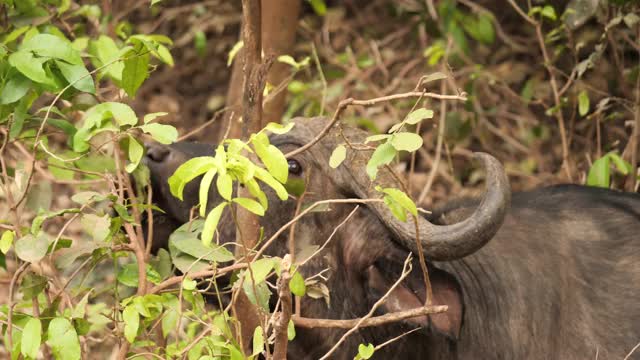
294, 167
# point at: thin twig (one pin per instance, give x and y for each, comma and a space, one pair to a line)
282, 322
347, 102
631, 352
406, 269
438, 156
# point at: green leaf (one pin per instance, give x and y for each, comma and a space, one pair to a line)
185, 244
36, 224
258, 341
479, 28
296, 285
47, 45
15, 34
128, 275
366, 351
631, 19
264, 176
107, 52
6, 241
15, 89
189, 284
431, 77
135, 154
383, 155
31, 67
57, 169
95, 120
599, 174
549, 12
279, 128
319, 7
78, 76
623, 167
418, 115
96, 226
131, 320
121, 113
258, 295
86, 197
259, 269
152, 116
32, 248
200, 42
31, 338
289, 60
135, 72
402, 199
164, 55
250, 205
291, 330
224, 183
205, 185
80, 308
583, 103
32, 285
337, 156
170, 318
234, 51
271, 157
406, 141
188, 171
63, 339
254, 189
164, 134
82, 326
374, 138
211, 223
395, 208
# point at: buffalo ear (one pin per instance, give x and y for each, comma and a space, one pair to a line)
446, 291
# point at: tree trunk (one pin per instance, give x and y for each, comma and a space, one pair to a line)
279, 23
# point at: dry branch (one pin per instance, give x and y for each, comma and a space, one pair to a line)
372, 321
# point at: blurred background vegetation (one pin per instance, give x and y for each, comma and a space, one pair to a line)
366, 49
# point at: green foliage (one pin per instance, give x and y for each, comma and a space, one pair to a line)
337, 156
395, 141
38, 63
583, 103
398, 203
365, 351
319, 6
230, 165
600, 172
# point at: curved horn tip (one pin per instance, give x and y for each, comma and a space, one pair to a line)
496, 175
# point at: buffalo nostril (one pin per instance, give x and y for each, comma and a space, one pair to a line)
156, 152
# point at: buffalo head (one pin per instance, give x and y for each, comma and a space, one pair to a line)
360, 258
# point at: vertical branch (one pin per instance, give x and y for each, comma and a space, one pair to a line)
282, 322
278, 33
279, 22
248, 223
252, 95
635, 138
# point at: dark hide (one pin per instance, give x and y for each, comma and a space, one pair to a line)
559, 280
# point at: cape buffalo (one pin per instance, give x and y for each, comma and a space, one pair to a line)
555, 275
